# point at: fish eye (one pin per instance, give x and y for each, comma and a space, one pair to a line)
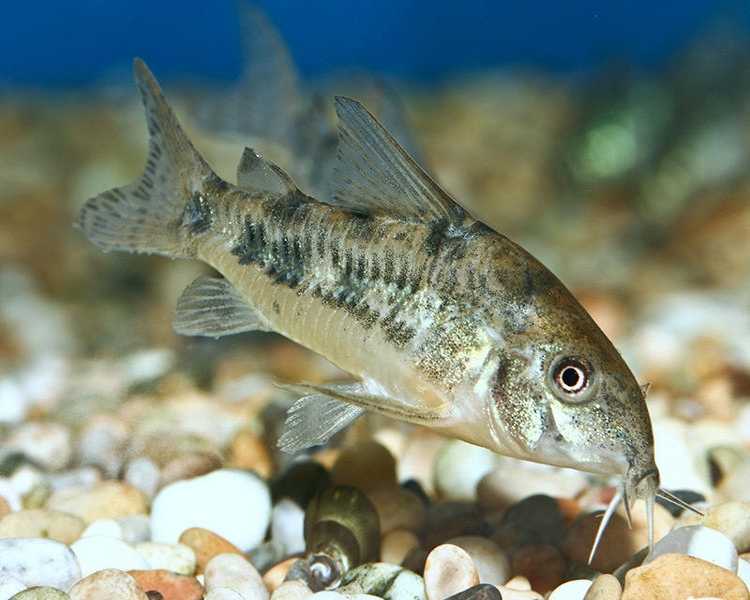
572, 376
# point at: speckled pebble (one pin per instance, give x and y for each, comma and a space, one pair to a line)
206, 544
41, 523
448, 570
383, 580
733, 520
106, 500
604, 587
233, 504
48, 444
135, 528
39, 562
40, 593
699, 542
108, 583
680, 576
100, 552
171, 586
236, 573
483, 591
575, 589
177, 558
291, 590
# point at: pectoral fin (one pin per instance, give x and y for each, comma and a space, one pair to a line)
213, 308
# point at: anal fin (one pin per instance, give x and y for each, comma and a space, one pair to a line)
212, 307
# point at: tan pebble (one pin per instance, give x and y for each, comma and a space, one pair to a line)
367, 465
398, 508
605, 587
172, 586
40, 592
491, 563
275, 575
236, 573
5, 508
419, 457
681, 576
618, 542
249, 451
518, 582
177, 558
206, 544
107, 583
544, 566
291, 590
396, 545
106, 500
187, 466
447, 571
733, 520
511, 593
40, 523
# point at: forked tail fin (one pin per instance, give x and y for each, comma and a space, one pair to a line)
156, 213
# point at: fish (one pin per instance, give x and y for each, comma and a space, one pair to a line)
440, 320
269, 103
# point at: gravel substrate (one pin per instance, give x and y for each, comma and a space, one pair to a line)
135, 463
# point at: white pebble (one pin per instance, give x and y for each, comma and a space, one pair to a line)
682, 459
143, 474
743, 571
698, 541
459, 468
105, 527
448, 570
491, 562
99, 552
328, 595
287, 526
232, 503
9, 586
222, 593
177, 558
39, 561
236, 573
571, 590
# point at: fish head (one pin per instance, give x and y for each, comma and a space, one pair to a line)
563, 395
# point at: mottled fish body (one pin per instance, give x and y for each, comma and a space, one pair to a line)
442, 321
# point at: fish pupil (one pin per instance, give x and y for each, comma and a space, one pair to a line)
572, 376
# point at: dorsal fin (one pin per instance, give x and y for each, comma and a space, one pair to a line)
374, 175
256, 173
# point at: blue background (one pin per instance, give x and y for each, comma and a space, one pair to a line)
64, 43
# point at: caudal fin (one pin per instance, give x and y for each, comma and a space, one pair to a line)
156, 213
